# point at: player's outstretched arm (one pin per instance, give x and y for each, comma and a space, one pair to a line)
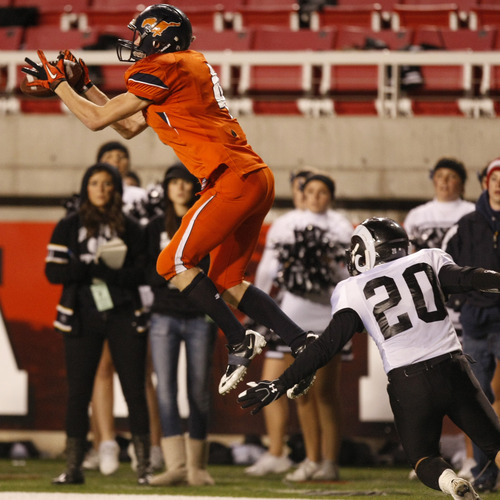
128, 127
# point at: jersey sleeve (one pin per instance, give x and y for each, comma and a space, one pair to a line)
341, 329
147, 80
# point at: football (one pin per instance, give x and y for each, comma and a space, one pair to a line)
74, 76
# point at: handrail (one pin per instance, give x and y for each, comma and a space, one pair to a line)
388, 89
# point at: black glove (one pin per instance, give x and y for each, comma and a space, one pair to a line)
103, 272
261, 394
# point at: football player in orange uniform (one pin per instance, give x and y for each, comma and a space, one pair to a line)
175, 91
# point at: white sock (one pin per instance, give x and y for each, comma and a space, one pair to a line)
445, 481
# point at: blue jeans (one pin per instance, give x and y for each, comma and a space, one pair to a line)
166, 335
481, 340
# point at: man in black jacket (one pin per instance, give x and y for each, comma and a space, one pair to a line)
475, 243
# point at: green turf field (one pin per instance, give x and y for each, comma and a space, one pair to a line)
356, 483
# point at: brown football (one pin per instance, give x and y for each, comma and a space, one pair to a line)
74, 76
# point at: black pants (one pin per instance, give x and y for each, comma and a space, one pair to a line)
83, 352
422, 395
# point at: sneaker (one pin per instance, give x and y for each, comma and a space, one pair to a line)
108, 457
300, 388
156, 458
466, 469
91, 460
328, 471
304, 472
463, 490
269, 464
239, 359
133, 458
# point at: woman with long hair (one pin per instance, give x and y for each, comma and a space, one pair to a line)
98, 254
175, 320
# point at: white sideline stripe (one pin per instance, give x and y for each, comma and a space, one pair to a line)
23, 495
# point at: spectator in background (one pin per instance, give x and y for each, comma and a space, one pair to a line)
474, 242
278, 355
307, 263
100, 301
105, 452
116, 154
132, 179
175, 320
427, 226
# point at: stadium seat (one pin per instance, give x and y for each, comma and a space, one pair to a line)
63, 13
354, 88
428, 36
482, 39
50, 38
273, 38
273, 86
207, 39
348, 15
11, 37
490, 86
102, 16
413, 16
484, 15
250, 16
356, 37
444, 89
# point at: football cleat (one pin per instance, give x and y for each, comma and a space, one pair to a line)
463, 490
300, 388
239, 359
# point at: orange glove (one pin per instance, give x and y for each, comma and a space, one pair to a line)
87, 83
47, 74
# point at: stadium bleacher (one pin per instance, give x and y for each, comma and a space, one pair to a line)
252, 28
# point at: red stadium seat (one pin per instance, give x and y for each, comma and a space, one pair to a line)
413, 16
482, 39
221, 40
286, 16
355, 37
484, 15
428, 36
11, 37
273, 38
207, 40
280, 88
63, 13
50, 38
348, 15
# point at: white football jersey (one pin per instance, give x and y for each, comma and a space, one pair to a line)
401, 305
427, 224
310, 315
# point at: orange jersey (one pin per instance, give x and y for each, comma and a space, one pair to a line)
189, 113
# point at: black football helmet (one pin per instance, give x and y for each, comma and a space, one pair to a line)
159, 28
375, 241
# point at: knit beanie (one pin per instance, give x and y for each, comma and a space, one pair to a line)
328, 181
452, 164
111, 146
179, 171
494, 165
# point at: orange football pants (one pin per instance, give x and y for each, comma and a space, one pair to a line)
225, 222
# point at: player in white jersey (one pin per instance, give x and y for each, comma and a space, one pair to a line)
399, 300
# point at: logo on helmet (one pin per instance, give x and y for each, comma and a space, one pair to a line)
160, 27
